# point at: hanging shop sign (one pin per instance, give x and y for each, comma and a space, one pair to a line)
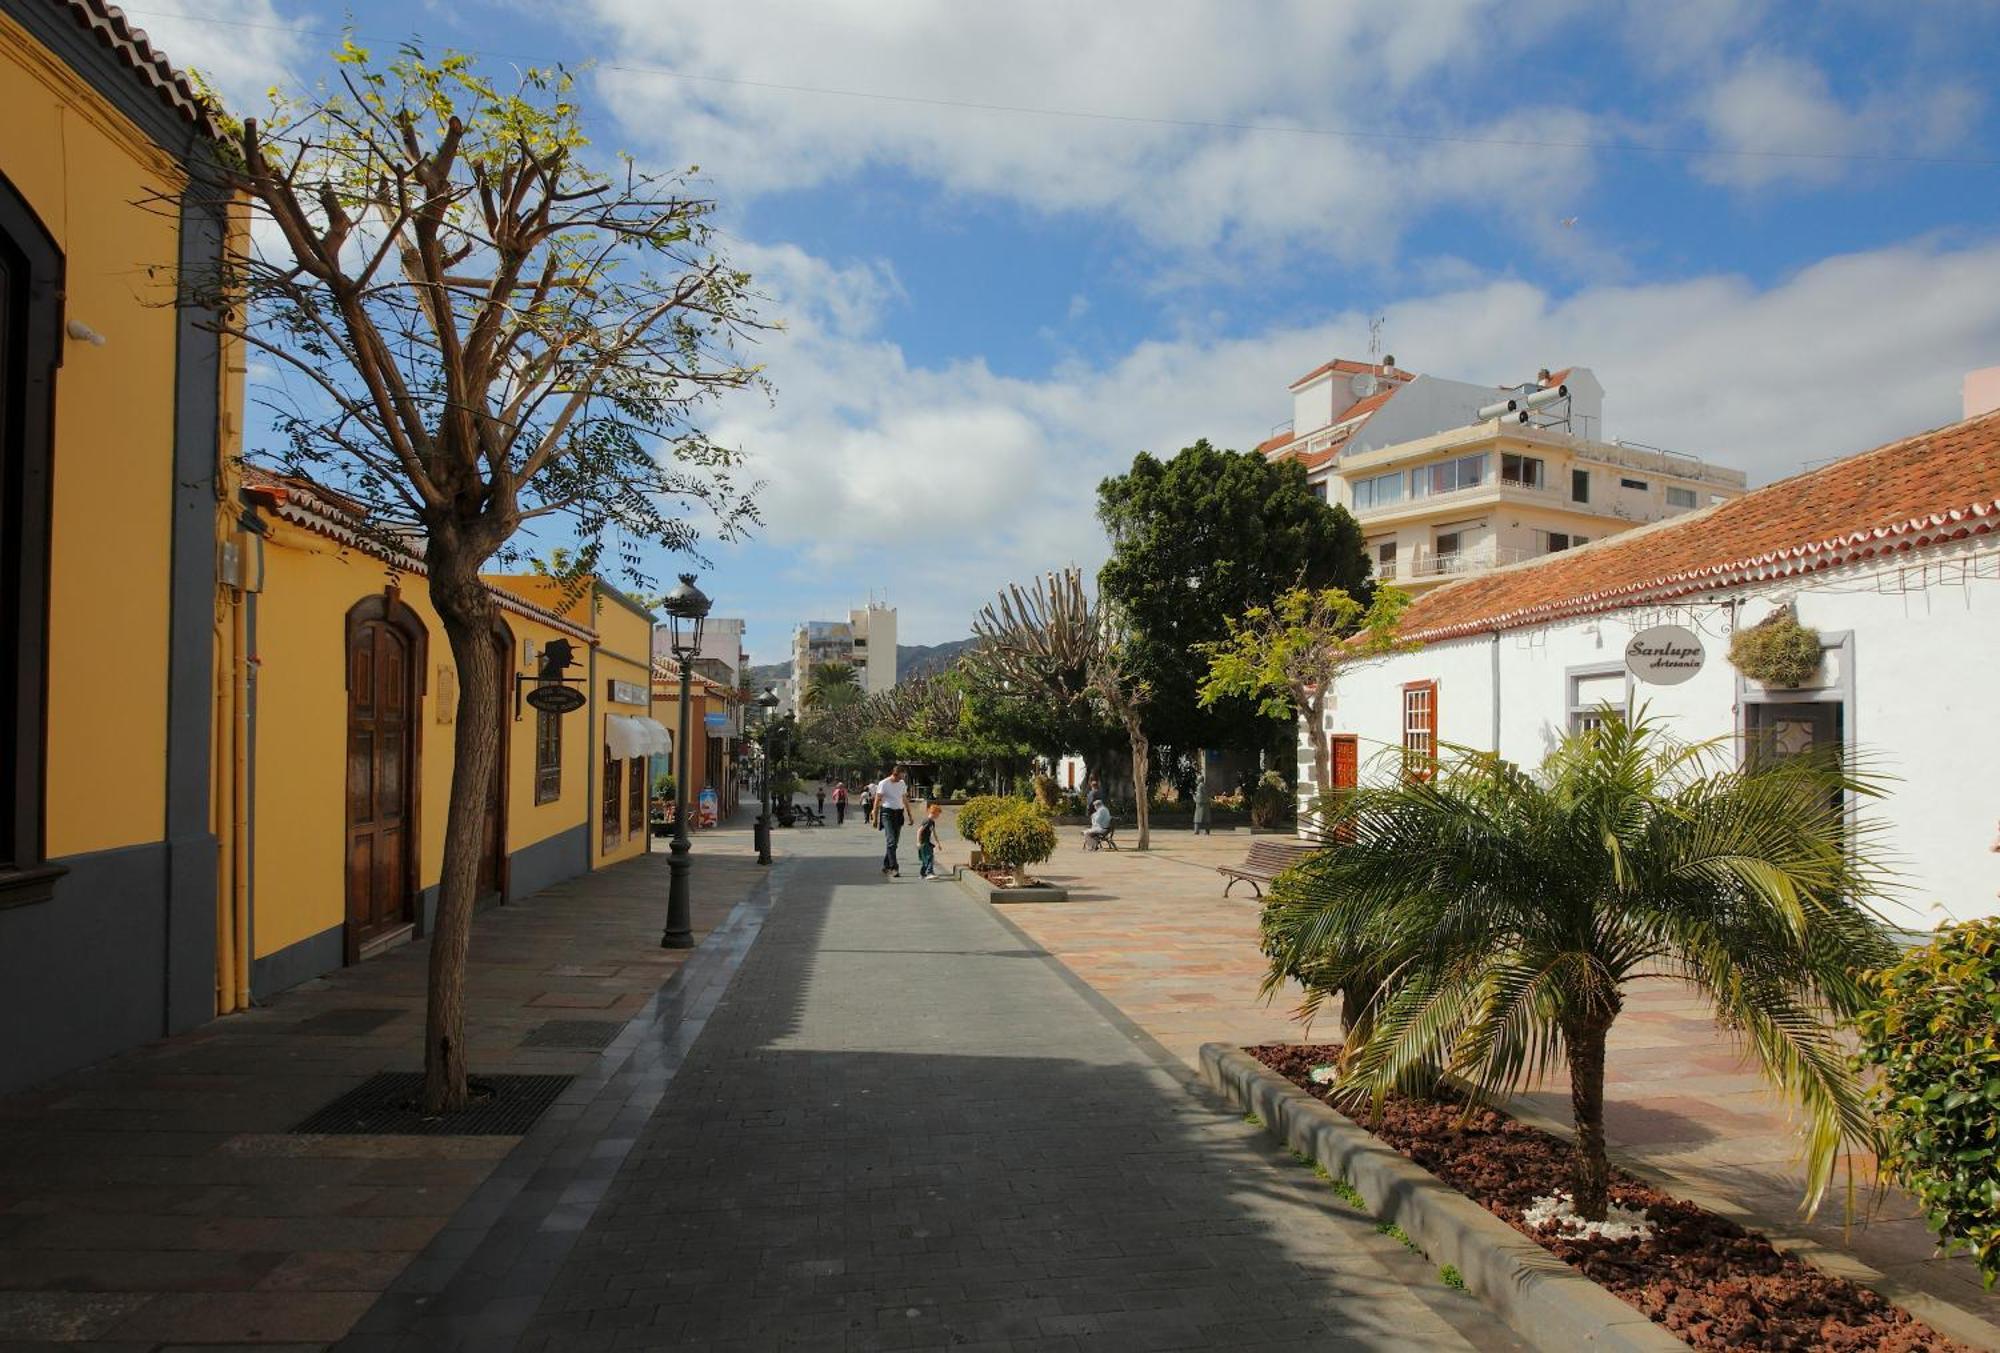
1665, 655
627, 693
715, 723
556, 699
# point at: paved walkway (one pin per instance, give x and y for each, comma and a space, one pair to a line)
905, 1128
1155, 936
157, 1201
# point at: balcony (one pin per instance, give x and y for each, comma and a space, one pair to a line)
1428, 565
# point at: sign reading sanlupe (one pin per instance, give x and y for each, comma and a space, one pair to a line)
1665, 655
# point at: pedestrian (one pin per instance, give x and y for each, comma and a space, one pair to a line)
868, 804
890, 796
927, 842
840, 803
1095, 797
822, 798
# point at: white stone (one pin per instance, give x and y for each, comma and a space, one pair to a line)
1557, 1212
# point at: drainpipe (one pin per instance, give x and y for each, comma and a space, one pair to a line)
239, 791
1496, 692
222, 807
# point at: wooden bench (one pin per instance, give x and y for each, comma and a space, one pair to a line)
1266, 860
1107, 841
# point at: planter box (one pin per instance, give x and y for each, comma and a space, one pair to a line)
986, 890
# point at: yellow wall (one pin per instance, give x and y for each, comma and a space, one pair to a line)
300, 814
89, 174
624, 642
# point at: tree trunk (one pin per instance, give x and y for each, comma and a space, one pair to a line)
1591, 1173
1313, 714
1142, 807
466, 608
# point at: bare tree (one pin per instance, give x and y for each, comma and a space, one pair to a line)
478, 334
1051, 642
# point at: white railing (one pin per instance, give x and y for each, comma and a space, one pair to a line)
1432, 565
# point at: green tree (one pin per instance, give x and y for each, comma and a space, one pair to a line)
831, 685
1197, 540
1506, 912
478, 331
1288, 655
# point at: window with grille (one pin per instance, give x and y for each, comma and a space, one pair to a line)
1680, 497
1594, 696
635, 798
1420, 715
614, 800
548, 756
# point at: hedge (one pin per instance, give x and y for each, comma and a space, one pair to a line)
1934, 1035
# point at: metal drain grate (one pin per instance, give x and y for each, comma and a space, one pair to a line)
386, 1104
349, 1022
582, 1035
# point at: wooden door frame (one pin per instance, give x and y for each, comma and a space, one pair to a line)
388, 607
503, 640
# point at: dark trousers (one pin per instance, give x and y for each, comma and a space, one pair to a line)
839, 812
892, 832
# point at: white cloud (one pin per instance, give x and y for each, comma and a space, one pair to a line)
945, 482
1782, 119
242, 47
1304, 64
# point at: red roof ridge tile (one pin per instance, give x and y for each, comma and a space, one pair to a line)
114, 31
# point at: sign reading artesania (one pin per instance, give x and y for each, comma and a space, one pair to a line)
556, 699
1665, 655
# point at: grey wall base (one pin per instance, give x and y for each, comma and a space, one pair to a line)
295, 963
562, 856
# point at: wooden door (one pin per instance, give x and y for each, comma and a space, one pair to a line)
1344, 770
380, 727
493, 860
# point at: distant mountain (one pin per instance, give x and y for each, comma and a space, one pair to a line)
912, 660
915, 660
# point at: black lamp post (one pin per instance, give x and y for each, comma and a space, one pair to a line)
768, 702
686, 608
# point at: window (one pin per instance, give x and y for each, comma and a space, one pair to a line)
1549, 542
548, 756
1525, 471
1639, 484
1385, 560
1679, 497
1378, 491
1447, 542
635, 797
1593, 694
1579, 486
1420, 728
1319, 489
1449, 476
614, 799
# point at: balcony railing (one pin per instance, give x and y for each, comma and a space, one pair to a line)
1431, 565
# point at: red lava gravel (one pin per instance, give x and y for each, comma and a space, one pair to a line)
1704, 1277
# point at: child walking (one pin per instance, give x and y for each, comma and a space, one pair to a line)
927, 843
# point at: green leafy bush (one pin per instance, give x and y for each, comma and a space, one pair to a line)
1016, 837
1934, 1035
1270, 800
1777, 651
977, 809
1046, 792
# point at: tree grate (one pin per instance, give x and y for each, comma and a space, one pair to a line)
583, 1035
386, 1104
348, 1023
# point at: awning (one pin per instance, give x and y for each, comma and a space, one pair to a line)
628, 735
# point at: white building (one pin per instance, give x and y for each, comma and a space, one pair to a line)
1448, 477
866, 641
721, 643
1892, 555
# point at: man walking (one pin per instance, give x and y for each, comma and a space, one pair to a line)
840, 803
890, 795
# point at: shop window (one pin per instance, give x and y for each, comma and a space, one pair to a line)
1594, 695
614, 800
30, 351
635, 797
1420, 726
548, 756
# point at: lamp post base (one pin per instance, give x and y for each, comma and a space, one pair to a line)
762, 833
679, 933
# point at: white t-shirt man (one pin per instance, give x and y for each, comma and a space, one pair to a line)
889, 794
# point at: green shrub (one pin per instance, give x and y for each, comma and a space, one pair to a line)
1072, 805
1777, 651
976, 810
1932, 1035
1046, 792
1270, 801
1016, 837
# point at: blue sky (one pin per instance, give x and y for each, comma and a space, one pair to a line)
1013, 245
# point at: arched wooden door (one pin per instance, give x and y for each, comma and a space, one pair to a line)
385, 655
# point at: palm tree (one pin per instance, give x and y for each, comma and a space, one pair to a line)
1497, 917
831, 685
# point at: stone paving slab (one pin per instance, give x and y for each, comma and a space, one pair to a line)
904, 1128
156, 1200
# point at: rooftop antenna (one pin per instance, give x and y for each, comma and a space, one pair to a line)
1367, 385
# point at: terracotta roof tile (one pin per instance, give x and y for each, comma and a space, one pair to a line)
108, 24
1272, 443
1349, 368
1928, 489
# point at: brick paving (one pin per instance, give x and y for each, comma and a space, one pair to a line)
1154, 935
156, 1201
903, 1128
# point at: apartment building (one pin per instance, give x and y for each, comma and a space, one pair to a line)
866, 640
1450, 477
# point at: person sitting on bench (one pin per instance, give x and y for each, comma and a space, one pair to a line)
1099, 831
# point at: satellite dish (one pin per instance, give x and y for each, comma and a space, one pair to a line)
1362, 383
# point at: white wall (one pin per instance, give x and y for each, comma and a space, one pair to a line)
1924, 639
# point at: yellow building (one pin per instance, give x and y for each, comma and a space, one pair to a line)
116, 411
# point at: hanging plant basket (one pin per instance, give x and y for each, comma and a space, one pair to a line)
1777, 651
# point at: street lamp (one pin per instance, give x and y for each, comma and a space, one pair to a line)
686, 608
768, 702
